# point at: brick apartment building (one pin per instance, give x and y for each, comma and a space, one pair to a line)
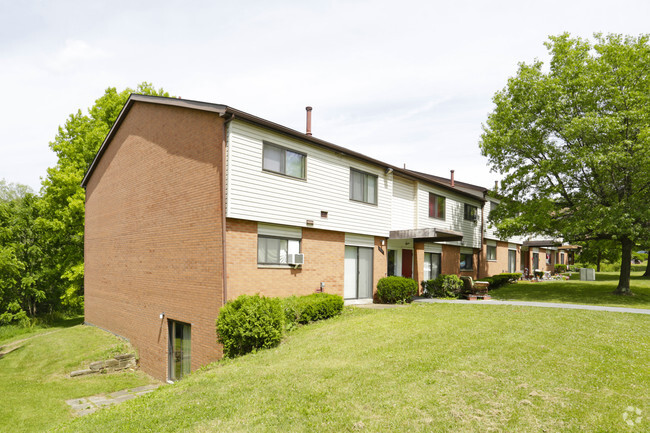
191, 204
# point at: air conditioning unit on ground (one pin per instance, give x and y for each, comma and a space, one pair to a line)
296, 259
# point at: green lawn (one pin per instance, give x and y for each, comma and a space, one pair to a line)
574, 291
424, 367
34, 381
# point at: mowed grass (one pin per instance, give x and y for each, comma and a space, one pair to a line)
34, 379
574, 291
419, 368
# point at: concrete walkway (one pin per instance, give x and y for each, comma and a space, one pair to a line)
537, 304
87, 405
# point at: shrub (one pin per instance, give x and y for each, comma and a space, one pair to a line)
249, 323
396, 290
539, 274
497, 281
310, 308
513, 277
445, 286
560, 268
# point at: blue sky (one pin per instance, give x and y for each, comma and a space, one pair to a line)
406, 82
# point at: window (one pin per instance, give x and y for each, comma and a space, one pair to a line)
284, 161
493, 206
535, 260
436, 206
363, 186
491, 252
180, 349
274, 250
466, 261
431, 266
470, 212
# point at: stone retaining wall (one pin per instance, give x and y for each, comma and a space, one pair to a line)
120, 362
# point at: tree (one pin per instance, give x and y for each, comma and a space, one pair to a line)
62, 206
594, 252
573, 142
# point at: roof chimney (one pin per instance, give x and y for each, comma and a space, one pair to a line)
308, 120
452, 178
496, 185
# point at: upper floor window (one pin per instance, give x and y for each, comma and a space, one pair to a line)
493, 206
436, 206
363, 186
284, 161
471, 212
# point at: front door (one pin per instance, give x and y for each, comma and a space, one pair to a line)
357, 278
407, 263
179, 349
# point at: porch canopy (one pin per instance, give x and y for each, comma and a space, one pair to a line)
426, 235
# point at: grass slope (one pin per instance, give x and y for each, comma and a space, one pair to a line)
435, 367
34, 382
574, 291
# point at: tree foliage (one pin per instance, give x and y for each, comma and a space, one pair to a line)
42, 237
594, 252
573, 142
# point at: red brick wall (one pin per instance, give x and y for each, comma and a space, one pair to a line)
153, 232
489, 268
324, 256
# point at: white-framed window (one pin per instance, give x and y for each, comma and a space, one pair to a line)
363, 186
436, 206
471, 213
284, 161
466, 261
431, 265
274, 250
491, 252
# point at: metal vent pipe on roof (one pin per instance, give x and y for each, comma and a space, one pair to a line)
452, 177
308, 120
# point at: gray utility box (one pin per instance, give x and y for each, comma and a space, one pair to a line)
587, 274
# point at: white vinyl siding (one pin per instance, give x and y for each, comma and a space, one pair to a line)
254, 194
454, 215
403, 208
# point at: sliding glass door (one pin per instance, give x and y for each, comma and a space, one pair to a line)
357, 279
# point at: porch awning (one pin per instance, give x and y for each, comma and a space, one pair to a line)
426, 235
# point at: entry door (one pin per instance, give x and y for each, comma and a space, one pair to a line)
179, 349
357, 279
512, 260
407, 263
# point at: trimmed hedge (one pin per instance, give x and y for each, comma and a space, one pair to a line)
497, 281
513, 276
444, 286
396, 290
256, 322
560, 268
310, 308
249, 323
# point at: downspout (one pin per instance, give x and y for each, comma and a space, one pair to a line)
223, 209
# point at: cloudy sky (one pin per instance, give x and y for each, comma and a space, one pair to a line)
406, 82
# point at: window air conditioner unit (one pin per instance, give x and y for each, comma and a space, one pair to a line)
296, 259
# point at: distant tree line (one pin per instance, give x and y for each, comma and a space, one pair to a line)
42, 234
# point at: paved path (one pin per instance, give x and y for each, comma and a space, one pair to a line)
87, 405
538, 304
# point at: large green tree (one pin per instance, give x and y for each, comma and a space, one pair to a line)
63, 198
572, 140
